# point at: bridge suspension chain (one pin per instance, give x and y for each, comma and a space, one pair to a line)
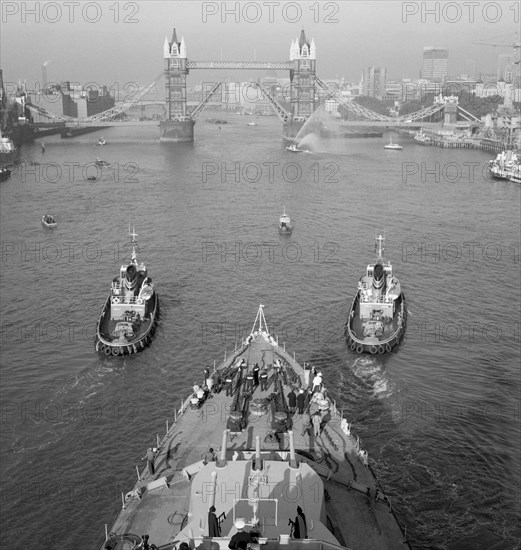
350, 104
418, 115
121, 107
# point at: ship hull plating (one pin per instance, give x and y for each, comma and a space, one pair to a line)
174, 131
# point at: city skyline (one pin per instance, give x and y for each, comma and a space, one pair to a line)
349, 37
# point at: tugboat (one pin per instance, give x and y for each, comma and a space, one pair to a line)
239, 467
293, 148
393, 146
5, 174
129, 317
285, 227
49, 221
378, 315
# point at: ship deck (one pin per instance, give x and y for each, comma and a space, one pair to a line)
107, 326
355, 517
390, 329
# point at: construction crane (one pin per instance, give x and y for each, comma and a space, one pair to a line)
516, 55
515, 46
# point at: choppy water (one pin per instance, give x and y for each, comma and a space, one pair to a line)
440, 418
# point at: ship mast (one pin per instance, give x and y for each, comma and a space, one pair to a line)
379, 246
261, 320
133, 235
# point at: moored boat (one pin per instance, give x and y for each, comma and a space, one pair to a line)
377, 318
7, 151
505, 165
240, 464
101, 162
49, 221
128, 321
422, 138
101, 141
285, 226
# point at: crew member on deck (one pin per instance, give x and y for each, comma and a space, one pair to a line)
209, 457
301, 401
300, 530
229, 384
292, 401
240, 537
256, 370
317, 382
249, 382
214, 529
264, 379
150, 460
216, 378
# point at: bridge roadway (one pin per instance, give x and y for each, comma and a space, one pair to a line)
359, 123
389, 123
108, 123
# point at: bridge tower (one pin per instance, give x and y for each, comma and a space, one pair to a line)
178, 125
302, 84
450, 110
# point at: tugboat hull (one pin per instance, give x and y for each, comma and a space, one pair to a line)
392, 334
107, 345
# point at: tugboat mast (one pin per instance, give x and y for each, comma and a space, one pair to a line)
379, 247
133, 235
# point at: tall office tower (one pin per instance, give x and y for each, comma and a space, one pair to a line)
374, 81
435, 64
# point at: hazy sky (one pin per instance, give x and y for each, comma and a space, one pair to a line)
108, 41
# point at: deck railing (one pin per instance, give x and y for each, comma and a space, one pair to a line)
271, 544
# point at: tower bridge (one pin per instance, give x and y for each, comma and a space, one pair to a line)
178, 125
178, 122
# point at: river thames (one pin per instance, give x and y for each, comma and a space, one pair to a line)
440, 418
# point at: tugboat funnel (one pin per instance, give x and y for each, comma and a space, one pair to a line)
131, 273
378, 276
